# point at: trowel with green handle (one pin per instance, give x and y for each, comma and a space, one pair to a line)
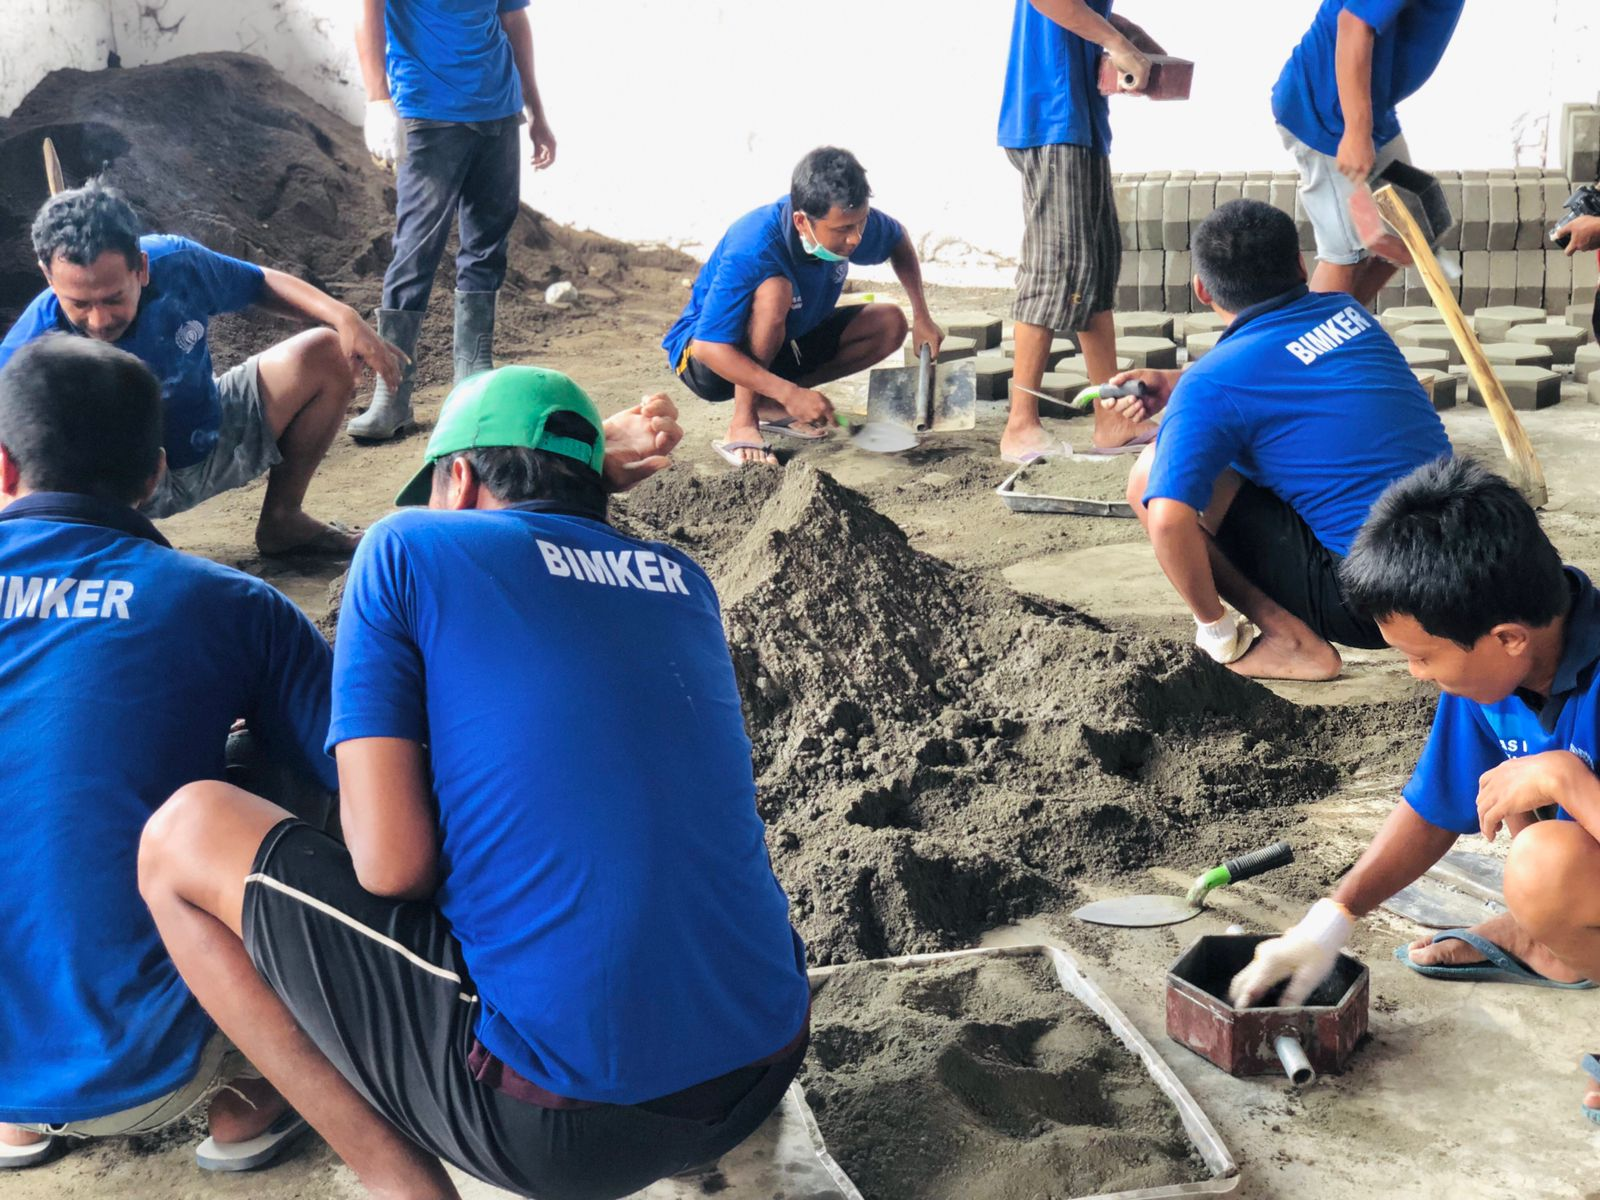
1145, 911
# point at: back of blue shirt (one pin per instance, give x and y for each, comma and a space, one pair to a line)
450, 60
188, 286
1052, 91
122, 665
1411, 39
759, 246
603, 864
1309, 398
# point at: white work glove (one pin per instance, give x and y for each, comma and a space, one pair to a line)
386, 137
1228, 637
1304, 956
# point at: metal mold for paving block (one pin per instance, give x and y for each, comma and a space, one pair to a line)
1152, 279
1425, 358
1431, 337
1530, 278
1474, 211
983, 329
1199, 344
1502, 278
1151, 190
1528, 388
1423, 197
1170, 78
1125, 188
1143, 324
1561, 340
1441, 388
1179, 289
950, 350
992, 376
1252, 1041
1175, 215
1502, 214
1517, 354
1586, 362
1492, 323
1157, 353
1474, 279
1397, 318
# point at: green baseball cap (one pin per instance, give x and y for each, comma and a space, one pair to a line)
513, 406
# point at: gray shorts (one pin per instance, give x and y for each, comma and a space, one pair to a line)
1071, 241
1326, 196
245, 448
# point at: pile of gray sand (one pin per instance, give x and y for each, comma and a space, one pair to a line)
982, 1078
1081, 478
936, 753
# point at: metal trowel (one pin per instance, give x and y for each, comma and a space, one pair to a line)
926, 398
1143, 911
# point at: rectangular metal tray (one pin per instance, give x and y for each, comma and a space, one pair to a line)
1021, 502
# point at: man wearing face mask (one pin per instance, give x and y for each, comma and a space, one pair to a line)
763, 326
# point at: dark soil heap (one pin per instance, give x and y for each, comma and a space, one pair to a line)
984, 1079
220, 148
936, 753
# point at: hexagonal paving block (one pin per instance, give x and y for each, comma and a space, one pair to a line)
1492, 323
993, 376
1431, 337
1143, 324
1517, 354
1561, 340
1156, 352
1439, 385
982, 328
1198, 344
1203, 322
951, 349
1396, 319
1425, 358
1526, 387
1586, 362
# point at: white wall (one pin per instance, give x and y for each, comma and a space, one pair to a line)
673, 118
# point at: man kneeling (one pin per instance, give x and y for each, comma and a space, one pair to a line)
554, 953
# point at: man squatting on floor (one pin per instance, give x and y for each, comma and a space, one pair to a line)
1454, 568
154, 296
449, 83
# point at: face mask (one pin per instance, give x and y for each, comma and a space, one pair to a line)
819, 251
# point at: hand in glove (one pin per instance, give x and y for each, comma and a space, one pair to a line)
1228, 637
386, 137
1304, 956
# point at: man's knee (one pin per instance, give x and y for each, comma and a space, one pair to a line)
171, 835
323, 358
1546, 869
1138, 478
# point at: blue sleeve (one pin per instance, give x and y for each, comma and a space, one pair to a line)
725, 311
507, 6
878, 239
378, 686
36, 320
1443, 790
1380, 14
291, 710
1201, 436
218, 283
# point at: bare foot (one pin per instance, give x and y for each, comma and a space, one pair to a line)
1027, 437
246, 1108
751, 455
298, 532
1504, 932
1591, 1096
1275, 656
13, 1136
1112, 430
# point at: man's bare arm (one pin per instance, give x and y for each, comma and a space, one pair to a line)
519, 32
908, 270
1136, 34
1401, 853
371, 40
387, 813
1180, 545
1077, 17
1352, 69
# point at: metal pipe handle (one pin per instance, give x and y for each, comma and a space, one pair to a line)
1295, 1063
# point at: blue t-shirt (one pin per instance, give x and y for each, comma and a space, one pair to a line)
1052, 93
1411, 37
1469, 738
759, 246
601, 858
122, 664
1307, 396
450, 60
188, 286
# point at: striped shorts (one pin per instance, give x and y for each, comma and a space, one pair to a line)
1071, 243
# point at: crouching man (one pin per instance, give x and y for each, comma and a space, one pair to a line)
1453, 566
554, 953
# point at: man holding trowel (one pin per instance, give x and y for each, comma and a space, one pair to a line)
763, 326
1055, 127
1335, 107
1274, 447
1457, 573
449, 84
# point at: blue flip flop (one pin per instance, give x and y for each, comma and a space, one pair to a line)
1501, 967
1591, 1064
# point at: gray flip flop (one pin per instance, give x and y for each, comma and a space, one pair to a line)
252, 1155
20, 1158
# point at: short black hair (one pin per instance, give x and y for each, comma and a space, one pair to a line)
81, 416
826, 179
82, 224
1246, 252
514, 474
1459, 550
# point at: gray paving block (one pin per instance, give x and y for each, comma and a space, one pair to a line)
1425, 358
1474, 216
1230, 186
1585, 277
1281, 192
1576, 392
1202, 199
1517, 354
1492, 323
1152, 279
1579, 315
1175, 215
1580, 156
1058, 358
950, 350
1258, 186
1062, 386
1143, 324
1199, 344
1474, 279
1530, 278
1430, 337
1202, 322
1178, 273
1158, 353
1594, 388
1128, 279
1393, 293
1149, 216
1450, 260
1126, 190
1530, 213
1440, 387
982, 328
1586, 362
1416, 290
1060, 347
1397, 318
1502, 213
1302, 224
1526, 387
1558, 286
1450, 183
1502, 278
1561, 340
1556, 192
993, 376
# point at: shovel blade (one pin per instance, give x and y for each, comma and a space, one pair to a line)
955, 396
892, 397
1138, 912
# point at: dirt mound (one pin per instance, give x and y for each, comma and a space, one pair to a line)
983, 1079
220, 148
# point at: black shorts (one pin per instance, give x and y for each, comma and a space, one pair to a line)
1275, 550
795, 359
380, 987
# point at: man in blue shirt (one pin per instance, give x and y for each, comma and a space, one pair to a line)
554, 953
1455, 569
274, 414
1335, 107
448, 83
763, 327
1055, 127
1274, 447
123, 663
